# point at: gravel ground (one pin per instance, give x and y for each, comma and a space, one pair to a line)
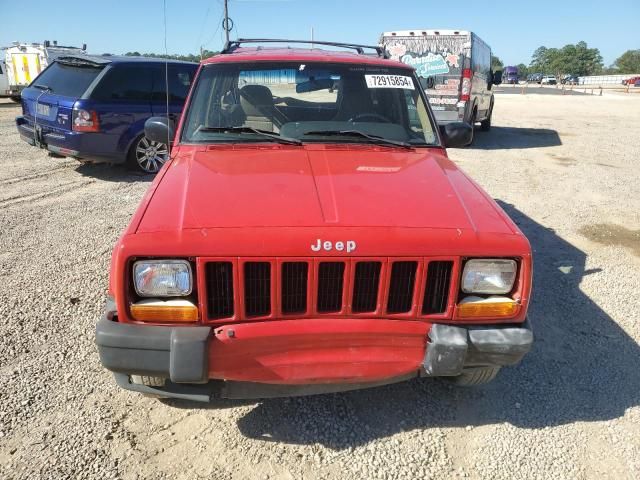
570, 410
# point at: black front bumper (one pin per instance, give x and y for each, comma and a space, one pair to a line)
176, 353
451, 349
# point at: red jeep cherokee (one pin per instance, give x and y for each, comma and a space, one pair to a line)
309, 234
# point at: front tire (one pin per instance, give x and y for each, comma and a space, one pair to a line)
475, 376
485, 125
149, 382
472, 121
147, 156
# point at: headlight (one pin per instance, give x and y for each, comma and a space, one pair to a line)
162, 278
489, 276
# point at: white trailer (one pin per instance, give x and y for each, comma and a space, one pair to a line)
25, 61
4, 78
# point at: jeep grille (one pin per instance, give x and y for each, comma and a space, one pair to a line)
306, 287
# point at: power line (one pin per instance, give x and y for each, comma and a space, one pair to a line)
218, 25
204, 24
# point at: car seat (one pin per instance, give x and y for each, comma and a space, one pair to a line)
257, 104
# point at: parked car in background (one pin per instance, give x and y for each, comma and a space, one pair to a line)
25, 61
548, 80
631, 81
454, 68
308, 235
510, 75
570, 80
94, 107
534, 78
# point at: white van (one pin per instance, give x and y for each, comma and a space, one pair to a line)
454, 67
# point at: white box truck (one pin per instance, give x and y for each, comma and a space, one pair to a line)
4, 78
454, 67
25, 61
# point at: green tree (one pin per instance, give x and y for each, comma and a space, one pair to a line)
587, 61
496, 63
523, 70
187, 58
539, 59
628, 62
577, 59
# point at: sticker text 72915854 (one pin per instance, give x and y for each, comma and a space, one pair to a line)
389, 81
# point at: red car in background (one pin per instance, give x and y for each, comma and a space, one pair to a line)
631, 81
309, 234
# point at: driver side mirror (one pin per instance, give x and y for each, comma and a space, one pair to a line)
159, 129
456, 134
496, 78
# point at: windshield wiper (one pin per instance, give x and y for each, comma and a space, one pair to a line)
264, 133
358, 133
43, 87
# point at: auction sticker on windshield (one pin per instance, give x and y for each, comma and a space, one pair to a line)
389, 81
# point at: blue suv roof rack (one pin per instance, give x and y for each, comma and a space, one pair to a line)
233, 45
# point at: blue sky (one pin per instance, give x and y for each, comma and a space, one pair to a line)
513, 28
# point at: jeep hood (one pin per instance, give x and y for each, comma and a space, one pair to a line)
317, 185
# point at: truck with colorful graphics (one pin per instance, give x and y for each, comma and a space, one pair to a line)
454, 68
25, 61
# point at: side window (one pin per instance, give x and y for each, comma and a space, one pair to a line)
1, 72
480, 58
180, 78
125, 82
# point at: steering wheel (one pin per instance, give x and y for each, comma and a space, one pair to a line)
375, 116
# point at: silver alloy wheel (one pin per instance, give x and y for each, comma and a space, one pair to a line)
150, 155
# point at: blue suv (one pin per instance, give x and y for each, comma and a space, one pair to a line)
93, 108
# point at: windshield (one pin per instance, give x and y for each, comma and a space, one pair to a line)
67, 80
311, 102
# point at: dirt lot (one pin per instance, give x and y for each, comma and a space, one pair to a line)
564, 167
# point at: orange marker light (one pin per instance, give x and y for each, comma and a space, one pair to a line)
476, 307
171, 311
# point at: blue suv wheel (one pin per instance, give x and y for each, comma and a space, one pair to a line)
147, 155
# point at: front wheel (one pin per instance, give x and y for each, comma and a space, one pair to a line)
147, 155
485, 125
474, 376
472, 121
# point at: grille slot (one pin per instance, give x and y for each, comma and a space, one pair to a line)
330, 285
294, 287
403, 279
436, 292
219, 277
365, 287
257, 289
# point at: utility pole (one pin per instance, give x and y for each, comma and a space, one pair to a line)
226, 20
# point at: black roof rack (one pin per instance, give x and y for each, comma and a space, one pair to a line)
232, 45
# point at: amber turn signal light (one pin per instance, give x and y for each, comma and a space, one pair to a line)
171, 311
476, 307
